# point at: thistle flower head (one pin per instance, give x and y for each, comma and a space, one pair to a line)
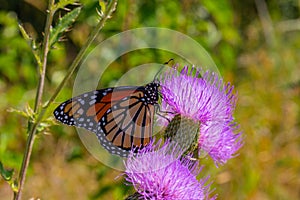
161, 174
203, 97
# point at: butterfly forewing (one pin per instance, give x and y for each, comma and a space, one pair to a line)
81, 111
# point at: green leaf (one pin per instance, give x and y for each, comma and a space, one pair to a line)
63, 3
102, 6
6, 174
32, 44
27, 112
24, 33
63, 25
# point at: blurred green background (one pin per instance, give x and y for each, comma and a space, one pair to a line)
256, 46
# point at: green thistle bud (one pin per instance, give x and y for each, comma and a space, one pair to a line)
185, 132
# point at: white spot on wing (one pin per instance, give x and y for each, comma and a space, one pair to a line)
92, 102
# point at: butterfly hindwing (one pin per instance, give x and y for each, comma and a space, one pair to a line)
129, 122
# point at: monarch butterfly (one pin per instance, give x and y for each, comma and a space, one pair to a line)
121, 117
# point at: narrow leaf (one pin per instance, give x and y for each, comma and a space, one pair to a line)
24, 33
32, 44
63, 3
102, 6
63, 24
6, 173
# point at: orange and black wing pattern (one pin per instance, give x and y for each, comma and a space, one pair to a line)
121, 117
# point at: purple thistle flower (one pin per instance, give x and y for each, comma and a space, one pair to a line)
207, 100
162, 174
220, 141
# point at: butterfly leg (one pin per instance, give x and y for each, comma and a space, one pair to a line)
160, 113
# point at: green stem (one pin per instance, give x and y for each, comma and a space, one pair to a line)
33, 127
38, 99
42, 69
83, 50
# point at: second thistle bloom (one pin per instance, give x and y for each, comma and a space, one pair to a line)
162, 174
204, 98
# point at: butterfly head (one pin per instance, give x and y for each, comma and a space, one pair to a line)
151, 92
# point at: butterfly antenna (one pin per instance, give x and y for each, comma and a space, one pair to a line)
168, 63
